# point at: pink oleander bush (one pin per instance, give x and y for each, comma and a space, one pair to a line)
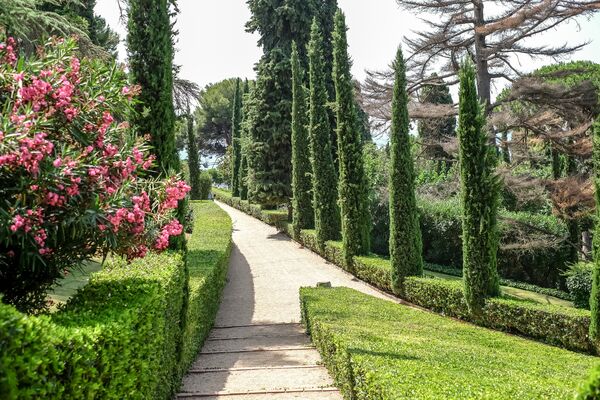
75, 182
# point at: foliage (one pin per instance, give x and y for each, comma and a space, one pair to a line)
236, 154
150, 55
244, 138
376, 161
590, 390
579, 282
380, 350
127, 321
214, 117
302, 211
595, 296
71, 172
354, 211
324, 188
207, 260
204, 185
193, 160
406, 247
479, 196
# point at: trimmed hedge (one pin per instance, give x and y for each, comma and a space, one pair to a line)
376, 349
271, 217
129, 333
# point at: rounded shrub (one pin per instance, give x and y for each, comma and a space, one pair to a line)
205, 185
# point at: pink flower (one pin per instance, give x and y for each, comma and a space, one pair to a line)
57, 163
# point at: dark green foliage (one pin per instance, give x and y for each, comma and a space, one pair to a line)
579, 282
479, 196
150, 55
595, 297
302, 210
236, 156
205, 183
276, 218
327, 216
244, 138
406, 246
435, 131
193, 159
123, 334
354, 210
376, 349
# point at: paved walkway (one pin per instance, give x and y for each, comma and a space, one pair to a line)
258, 350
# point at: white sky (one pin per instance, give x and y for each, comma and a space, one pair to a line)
213, 44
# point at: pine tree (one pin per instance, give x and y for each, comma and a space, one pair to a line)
405, 233
302, 211
479, 196
193, 159
150, 51
595, 297
326, 212
236, 141
243, 187
352, 181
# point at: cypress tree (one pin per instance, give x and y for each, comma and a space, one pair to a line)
302, 211
405, 233
193, 159
479, 196
326, 212
595, 297
352, 180
243, 187
150, 51
236, 154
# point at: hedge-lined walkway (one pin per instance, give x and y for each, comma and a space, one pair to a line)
258, 346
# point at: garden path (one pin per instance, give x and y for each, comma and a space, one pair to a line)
258, 349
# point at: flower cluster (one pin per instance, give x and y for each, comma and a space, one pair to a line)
73, 176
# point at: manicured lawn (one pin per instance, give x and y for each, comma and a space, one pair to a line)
75, 280
396, 352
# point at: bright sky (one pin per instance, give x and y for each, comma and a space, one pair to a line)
213, 44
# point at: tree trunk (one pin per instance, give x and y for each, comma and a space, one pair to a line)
481, 63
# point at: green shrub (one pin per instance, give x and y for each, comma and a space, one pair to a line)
590, 390
376, 349
579, 283
205, 182
130, 333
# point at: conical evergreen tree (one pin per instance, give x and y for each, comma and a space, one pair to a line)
479, 196
352, 183
302, 211
193, 159
595, 297
327, 217
236, 128
243, 187
406, 246
150, 54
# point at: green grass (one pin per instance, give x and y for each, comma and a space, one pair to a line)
380, 350
75, 280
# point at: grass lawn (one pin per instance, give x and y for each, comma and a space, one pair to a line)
381, 350
75, 280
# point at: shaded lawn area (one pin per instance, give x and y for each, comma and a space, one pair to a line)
393, 351
75, 280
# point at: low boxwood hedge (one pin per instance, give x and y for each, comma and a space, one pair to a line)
129, 333
376, 349
271, 217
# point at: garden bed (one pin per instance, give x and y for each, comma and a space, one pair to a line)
376, 349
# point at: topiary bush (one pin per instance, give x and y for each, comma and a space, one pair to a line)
579, 283
205, 182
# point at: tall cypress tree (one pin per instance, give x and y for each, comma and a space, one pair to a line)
352, 183
595, 297
193, 159
327, 216
302, 211
236, 154
243, 187
405, 234
150, 51
479, 196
